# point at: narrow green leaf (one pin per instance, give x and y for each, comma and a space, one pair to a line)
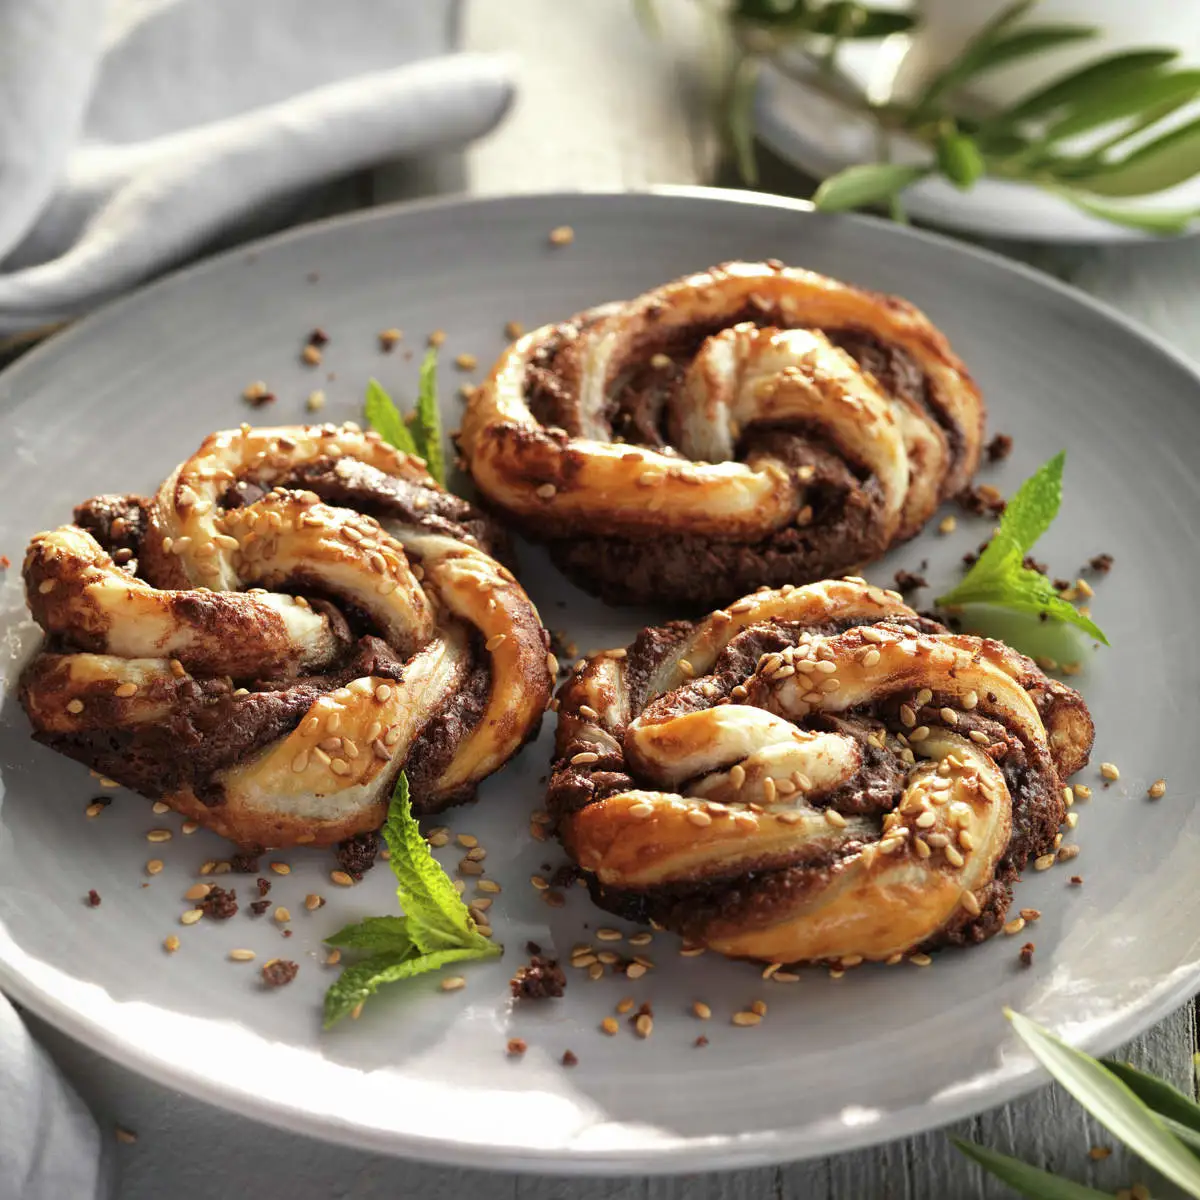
844, 19
1112, 1103
1029, 1181
1128, 98
870, 183
1164, 163
1025, 43
1088, 85
364, 979
1162, 222
739, 116
1157, 1093
377, 934
959, 159
427, 419
384, 417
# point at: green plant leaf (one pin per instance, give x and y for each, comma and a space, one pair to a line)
384, 417
1089, 85
1164, 163
355, 984
647, 15
1112, 1103
1129, 97
1163, 222
993, 46
1029, 1181
867, 184
740, 90
1157, 1093
377, 934
999, 577
959, 159
844, 19
427, 419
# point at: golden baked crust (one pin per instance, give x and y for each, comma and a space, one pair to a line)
264, 713
748, 425
813, 774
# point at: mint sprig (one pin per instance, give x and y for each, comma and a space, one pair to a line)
435, 930
1000, 578
421, 433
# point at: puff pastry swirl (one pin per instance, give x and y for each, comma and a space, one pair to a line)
298, 613
749, 425
813, 774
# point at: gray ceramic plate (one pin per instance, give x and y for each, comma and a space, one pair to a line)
115, 402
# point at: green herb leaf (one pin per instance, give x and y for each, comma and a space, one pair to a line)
870, 183
355, 984
1157, 1094
1029, 1181
384, 417
999, 578
435, 930
739, 116
1163, 163
959, 158
377, 934
844, 19
993, 46
1090, 84
1163, 222
427, 421
1129, 97
436, 916
1112, 1103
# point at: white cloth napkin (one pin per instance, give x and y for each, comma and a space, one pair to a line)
50, 1147
133, 131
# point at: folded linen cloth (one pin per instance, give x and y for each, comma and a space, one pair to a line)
50, 1148
134, 131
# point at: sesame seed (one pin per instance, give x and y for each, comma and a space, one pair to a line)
241, 955
94, 809
1066, 853
198, 891
979, 737
635, 970
919, 734
953, 857
699, 818
488, 885
947, 525
496, 640
191, 916
546, 491
644, 938
1082, 791
595, 971
920, 960
609, 1026
760, 1006
540, 882
1109, 771
333, 958
1098, 1153
170, 943
641, 810
1157, 790
75, 707
1043, 862
563, 235
584, 758
466, 362
453, 983
158, 835
609, 935
835, 818
281, 915
746, 1018
1014, 926
970, 903
341, 878
949, 716
281, 868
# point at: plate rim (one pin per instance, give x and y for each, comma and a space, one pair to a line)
679, 1153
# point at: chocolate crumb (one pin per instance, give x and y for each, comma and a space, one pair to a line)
312, 277
5, 562
516, 1047
909, 581
532, 948
260, 399
983, 500
245, 863
700, 1041
258, 907
102, 801
542, 979
1031, 564
318, 337
264, 886
1026, 955
1061, 585
569, 1059
93, 898
278, 972
1101, 564
565, 876
1076, 880
287, 933
999, 448
220, 903
356, 855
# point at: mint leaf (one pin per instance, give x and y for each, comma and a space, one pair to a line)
384, 417
999, 576
436, 928
427, 420
364, 979
436, 917
377, 934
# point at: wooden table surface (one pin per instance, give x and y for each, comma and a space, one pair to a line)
603, 106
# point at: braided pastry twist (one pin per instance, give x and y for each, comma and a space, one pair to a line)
376, 632
813, 774
752, 424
